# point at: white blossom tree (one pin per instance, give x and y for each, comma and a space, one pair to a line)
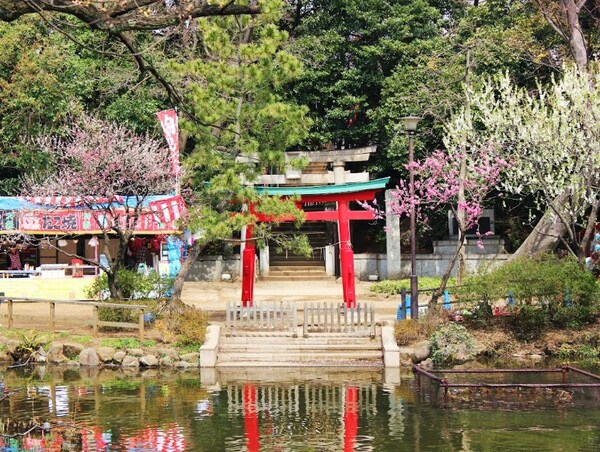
552, 140
110, 171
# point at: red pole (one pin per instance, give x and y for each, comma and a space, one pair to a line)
248, 269
251, 419
346, 255
350, 418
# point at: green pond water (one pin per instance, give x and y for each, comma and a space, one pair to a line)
287, 410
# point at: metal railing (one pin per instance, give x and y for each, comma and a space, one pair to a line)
335, 317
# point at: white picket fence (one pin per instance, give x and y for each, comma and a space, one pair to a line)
316, 318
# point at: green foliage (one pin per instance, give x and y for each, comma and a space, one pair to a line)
407, 331
585, 352
451, 344
184, 325
529, 322
134, 285
394, 287
127, 342
109, 314
547, 280
29, 343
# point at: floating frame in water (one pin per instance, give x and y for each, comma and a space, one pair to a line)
446, 384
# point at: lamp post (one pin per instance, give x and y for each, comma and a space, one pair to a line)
410, 126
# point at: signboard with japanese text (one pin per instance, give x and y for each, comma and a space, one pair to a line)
78, 222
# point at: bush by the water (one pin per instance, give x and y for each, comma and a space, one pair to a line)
182, 324
407, 331
547, 292
451, 344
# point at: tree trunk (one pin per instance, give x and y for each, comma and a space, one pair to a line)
113, 286
193, 253
546, 235
440, 290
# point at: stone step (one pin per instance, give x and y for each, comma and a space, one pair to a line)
298, 357
319, 363
317, 262
318, 272
296, 278
298, 268
308, 341
296, 348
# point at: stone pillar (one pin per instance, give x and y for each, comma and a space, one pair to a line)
339, 173
392, 223
330, 260
263, 260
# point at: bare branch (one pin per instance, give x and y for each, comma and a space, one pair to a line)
125, 15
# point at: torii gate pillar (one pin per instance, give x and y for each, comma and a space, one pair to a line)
346, 255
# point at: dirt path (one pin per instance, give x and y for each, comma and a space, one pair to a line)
209, 296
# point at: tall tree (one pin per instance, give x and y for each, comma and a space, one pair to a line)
552, 139
243, 123
111, 171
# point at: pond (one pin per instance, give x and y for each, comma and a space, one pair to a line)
287, 409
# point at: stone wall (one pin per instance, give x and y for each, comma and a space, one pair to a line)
212, 268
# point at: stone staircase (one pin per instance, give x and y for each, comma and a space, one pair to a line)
292, 267
281, 349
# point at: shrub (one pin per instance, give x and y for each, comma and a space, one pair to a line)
529, 322
122, 314
184, 325
134, 285
569, 291
407, 331
450, 344
395, 286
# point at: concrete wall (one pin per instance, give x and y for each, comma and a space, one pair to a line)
211, 268
427, 264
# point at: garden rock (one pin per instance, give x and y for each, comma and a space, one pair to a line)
166, 362
88, 357
191, 358
148, 361
105, 354
118, 356
138, 352
72, 350
130, 361
168, 353
420, 352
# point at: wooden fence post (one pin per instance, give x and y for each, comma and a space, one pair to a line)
95, 320
52, 317
141, 324
10, 314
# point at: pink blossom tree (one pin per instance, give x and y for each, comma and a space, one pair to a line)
110, 171
460, 180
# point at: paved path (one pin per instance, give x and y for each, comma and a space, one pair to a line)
212, 296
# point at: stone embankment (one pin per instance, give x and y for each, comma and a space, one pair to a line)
73, 354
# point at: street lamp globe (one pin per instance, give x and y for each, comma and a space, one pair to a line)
410, 123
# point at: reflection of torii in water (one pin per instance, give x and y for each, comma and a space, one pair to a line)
251, 418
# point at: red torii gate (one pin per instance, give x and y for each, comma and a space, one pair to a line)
342, 195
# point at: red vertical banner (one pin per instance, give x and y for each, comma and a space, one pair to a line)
170, 126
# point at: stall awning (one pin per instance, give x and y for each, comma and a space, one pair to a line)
160, 215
